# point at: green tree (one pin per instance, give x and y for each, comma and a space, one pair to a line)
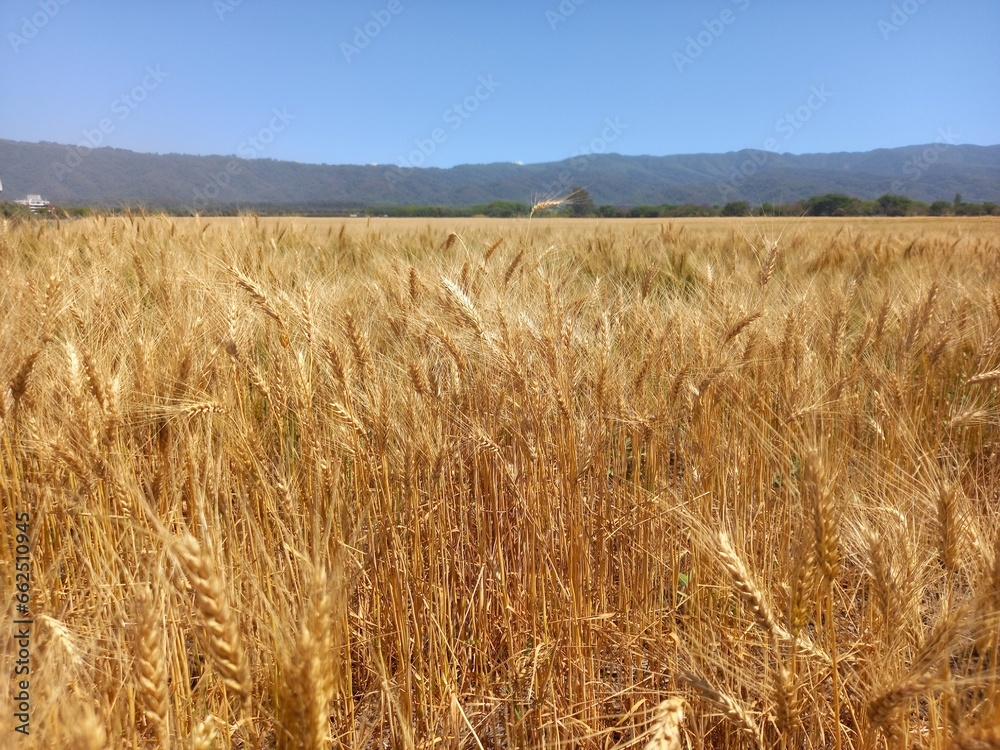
831, 204
894, 205
736, 208
501, 209
580, 202
970, 209
14, 210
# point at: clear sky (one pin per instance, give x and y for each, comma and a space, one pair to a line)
421, 83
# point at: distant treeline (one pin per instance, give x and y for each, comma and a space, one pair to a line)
831, 204
580, 205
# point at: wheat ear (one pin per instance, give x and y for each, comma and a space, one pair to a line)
306, 687
19, 383
84, 731
748, 590
920, 678
203, 734
667, 719
729, 707
257, 294
547, 202
224, 645
151, 667
986, 738
984, 377
462, 306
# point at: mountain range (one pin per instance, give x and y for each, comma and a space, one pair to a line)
79, 175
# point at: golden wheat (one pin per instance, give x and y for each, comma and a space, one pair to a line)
464, 483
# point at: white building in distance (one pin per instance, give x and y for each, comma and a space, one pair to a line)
35, 203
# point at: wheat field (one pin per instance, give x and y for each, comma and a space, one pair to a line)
497, 484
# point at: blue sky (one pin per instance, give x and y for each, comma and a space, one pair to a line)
420, 83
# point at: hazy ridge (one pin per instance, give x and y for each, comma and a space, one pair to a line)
70, 175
